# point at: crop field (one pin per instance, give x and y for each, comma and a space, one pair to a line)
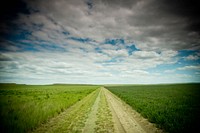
75, 108
174, 108
24, 107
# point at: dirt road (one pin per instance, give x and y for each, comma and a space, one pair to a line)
127, 120
99, 112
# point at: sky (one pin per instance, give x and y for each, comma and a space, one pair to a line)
99, 41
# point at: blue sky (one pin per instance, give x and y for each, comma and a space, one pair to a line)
98, 42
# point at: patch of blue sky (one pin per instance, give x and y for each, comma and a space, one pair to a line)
185, 53
83, 40
182, 54
18, 46
112, 61
131, 49
65, 33
164, 67
52, 47
42, 46
189, 62
21, 35
114, 41
188, 72
172, 69
28, 47
109, 62
98, 50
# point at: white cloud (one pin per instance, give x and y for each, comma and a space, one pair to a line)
140, 72
192, 57
78, 64
197, 67
169, 71
116, 53
183, 75
145, 54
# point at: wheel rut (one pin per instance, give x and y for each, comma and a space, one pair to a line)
99, 112
127, 120
92, 117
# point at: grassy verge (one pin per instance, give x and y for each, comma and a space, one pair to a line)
23, 107
174, 108
72, 120
104, 117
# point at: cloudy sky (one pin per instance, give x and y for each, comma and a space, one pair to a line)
99, 41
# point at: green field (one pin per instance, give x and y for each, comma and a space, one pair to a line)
174, 108
24, 107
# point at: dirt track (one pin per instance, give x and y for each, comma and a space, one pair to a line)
101, 111
126, 120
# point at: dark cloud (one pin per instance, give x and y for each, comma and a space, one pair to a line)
9, 12
188, 9
119, 3
10, 9
154, 12
157, 24
175, 24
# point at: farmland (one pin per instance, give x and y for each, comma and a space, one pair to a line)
96, 109
174, 108
24, 107
67, 108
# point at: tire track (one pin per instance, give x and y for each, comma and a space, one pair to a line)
92, 117
126, 120
99, 112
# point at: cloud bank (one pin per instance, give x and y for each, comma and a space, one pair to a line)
100, 41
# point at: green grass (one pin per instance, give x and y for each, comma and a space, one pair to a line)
104, 117
174, 108
24, 107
